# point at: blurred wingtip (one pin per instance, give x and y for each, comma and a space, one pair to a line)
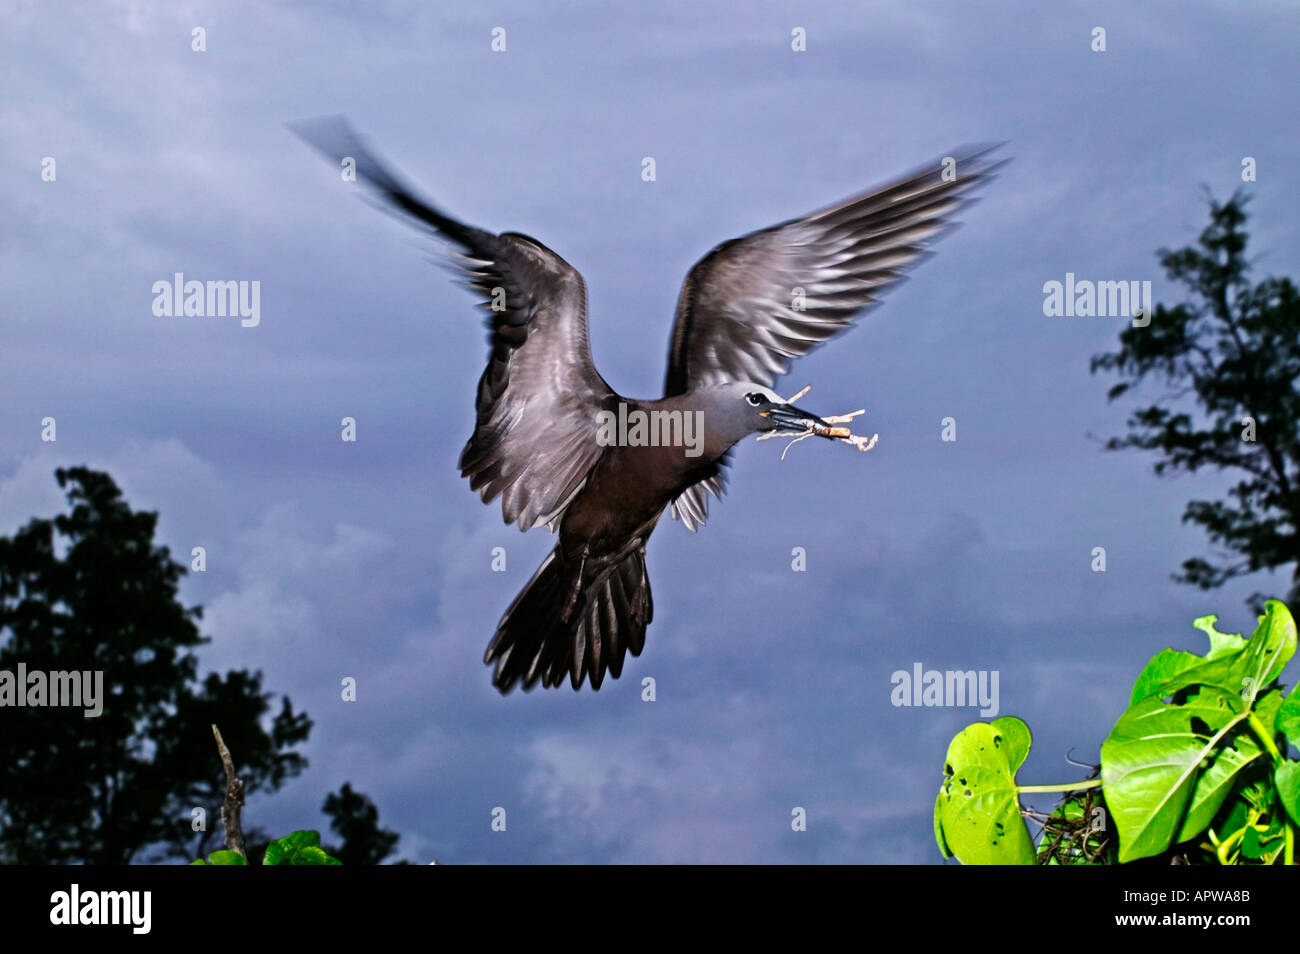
332, 135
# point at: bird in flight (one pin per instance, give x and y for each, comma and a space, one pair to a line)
562, 449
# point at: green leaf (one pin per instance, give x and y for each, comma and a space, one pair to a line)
1168, 663
938, 827
1221, 644
1071, 810
1269, 842
1214, 784
1266, 710
1254, 666
1287, 720
1237, 817
1250, 844
1287, 779
226, 857
1013, 737
1150, 763
315, 856
1163, 666
282, 850
1278, 634
299, 848
977, 814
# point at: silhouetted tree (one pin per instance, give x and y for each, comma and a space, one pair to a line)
355, 819
89, 591
1233, 349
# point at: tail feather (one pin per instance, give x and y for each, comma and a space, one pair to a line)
634, 585
533, 643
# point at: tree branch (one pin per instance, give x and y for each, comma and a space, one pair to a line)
234, 802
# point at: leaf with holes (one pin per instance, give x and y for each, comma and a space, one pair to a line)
977, 813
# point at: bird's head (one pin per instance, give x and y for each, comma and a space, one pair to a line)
739, 409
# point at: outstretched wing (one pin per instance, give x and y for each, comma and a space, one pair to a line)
754, 303
534, 442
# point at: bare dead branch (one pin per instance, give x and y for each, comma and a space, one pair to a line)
234, 801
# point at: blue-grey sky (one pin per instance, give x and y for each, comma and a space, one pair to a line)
373, 560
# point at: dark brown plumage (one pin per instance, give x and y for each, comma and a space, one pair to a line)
738, 325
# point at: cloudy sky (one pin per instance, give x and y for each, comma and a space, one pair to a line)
372, 559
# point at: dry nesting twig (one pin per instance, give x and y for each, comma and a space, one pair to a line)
834, 433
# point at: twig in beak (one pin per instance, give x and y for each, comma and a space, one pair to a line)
843, 434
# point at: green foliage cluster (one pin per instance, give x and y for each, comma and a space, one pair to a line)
299, 848
1197, 766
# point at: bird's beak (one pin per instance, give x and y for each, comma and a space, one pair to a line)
787, 417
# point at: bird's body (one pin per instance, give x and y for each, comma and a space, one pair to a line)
630, 485
552, 438
627, 490
593, 589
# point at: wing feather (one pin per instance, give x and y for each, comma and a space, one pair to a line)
755, 303
534, 439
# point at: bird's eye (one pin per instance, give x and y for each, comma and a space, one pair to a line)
754, 399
